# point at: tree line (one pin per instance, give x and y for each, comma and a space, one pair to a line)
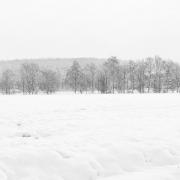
150, 75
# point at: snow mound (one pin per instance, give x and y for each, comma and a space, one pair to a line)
36, 164
90, 137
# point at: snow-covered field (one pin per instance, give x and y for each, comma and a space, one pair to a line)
90, 137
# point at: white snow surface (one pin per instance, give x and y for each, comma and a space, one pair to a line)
90, 137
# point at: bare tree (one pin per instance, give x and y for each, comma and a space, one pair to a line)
73, 76
49, 81
132, 74
141, 76
158, 75
102, 82
29, 78
111, 66
168, 79
176, 76
90, 71
124, 69
149, 72
7, 81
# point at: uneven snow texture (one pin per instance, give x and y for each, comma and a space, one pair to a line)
90, 137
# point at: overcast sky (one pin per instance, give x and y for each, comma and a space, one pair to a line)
89, 28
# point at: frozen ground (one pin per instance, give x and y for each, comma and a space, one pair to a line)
90, 137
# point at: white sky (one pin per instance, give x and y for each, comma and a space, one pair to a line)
89, 28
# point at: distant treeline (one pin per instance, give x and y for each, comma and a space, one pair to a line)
114, 76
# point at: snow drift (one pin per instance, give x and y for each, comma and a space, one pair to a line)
90, 137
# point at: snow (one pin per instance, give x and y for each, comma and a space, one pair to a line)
90, 137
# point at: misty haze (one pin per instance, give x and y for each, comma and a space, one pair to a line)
89, 90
